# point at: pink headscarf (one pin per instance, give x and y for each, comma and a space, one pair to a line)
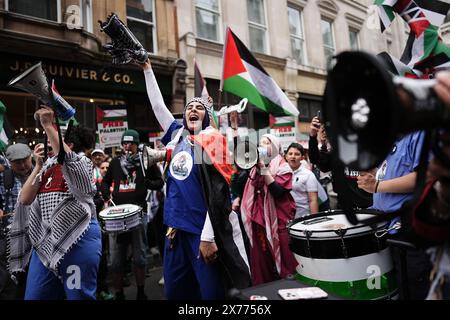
278, 166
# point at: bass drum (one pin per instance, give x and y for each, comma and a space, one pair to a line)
347, 260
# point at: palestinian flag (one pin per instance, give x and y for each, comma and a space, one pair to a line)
111, 113
5, 131
425, 53
200, 83
216, 147
245, 77
202, 91
279, 122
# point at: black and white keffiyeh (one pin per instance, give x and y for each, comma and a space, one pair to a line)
55, 221
125, 47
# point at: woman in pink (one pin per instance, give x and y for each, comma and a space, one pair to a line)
266, 207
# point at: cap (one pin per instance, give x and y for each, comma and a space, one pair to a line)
97, 151
130, 135
18, 151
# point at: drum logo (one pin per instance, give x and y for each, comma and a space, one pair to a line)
117, 211
181, 165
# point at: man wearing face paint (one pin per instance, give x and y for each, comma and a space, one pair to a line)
204, 252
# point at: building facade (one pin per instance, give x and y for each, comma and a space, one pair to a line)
66, 37
292, 39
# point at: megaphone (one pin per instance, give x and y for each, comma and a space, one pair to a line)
125, 47
366, 109
247, 155
34, 81
151, 156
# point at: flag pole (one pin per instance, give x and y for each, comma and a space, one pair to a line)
219, 99
223, 66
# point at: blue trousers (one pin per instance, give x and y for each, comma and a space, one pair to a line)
186, 275
77, 269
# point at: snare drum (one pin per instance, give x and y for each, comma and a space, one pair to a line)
341, 258
121, 218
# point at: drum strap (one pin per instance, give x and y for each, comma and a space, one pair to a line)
341, 233
308, 234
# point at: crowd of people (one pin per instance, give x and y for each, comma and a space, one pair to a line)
218, 227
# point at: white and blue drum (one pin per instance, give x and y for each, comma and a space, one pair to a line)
121, 218
344, 259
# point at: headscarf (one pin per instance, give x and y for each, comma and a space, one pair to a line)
207, 104
276, 146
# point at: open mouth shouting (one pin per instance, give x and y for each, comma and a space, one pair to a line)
195, 112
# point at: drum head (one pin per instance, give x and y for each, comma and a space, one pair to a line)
120, 211
325, 224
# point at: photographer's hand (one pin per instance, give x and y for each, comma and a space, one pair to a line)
314, 127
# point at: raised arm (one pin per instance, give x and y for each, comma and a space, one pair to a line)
162, 113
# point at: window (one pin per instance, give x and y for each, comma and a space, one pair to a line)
140, 20
208, 19
328, 40
297, 38
354, 43
308, 107
44, 9
86, 15
257, 25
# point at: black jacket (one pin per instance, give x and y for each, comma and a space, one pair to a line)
152, 181
217, 193
346, 186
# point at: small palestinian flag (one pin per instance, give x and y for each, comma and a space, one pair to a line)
398, 68
111, 113
279, 122
245, 77
202, 91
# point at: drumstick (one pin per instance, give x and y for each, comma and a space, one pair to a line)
112, 202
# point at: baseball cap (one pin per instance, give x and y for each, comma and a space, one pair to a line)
130, 135
18, 151
98, 151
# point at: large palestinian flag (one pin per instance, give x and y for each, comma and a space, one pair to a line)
245, 77
424, 51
